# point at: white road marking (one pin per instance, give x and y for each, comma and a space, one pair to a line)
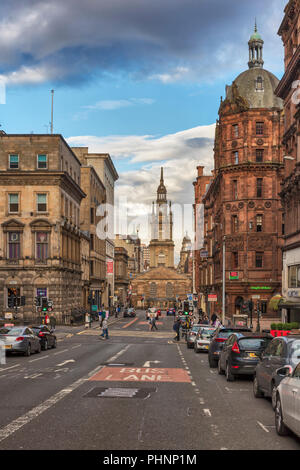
207, 412
118, 354
263, 427
33, 376
39, 358
147, 363
65, 362
194, 385
201, 401
7, 368
78, 346
60, 352
38, 410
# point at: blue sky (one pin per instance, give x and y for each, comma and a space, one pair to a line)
139, 79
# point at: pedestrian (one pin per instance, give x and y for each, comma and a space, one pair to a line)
52, 322
205, 320
47, 319
200, 313
104, 329
153, 324
176, 328
213, 318
116, 311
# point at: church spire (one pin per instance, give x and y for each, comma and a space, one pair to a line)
161, 190
255, 49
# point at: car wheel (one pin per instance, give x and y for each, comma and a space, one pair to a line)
274, 395
54, 344
281, 428
229, 375
213, 364
220, 370
256, 390
45, 345
28, 351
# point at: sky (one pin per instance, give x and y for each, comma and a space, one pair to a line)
138, 79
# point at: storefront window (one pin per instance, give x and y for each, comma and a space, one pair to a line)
294, 276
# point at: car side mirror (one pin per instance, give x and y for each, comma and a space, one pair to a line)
285, 371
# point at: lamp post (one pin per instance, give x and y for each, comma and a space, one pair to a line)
224, 276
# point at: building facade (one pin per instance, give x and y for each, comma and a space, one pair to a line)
242, 208
40, 236
95, 196
289, 90
121, 275
185, 264
161, 245
108, 175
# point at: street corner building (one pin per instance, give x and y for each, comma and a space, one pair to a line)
40, 234
288, 90
161, 286
238, 208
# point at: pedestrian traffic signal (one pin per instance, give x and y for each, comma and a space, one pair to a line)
11, 301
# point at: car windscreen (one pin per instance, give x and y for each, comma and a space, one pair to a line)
195, 328
224, 334
15, 332
254, 344
207, 331
4, 331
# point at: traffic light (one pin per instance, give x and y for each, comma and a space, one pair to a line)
44, 304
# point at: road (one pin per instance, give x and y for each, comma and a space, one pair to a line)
136, 391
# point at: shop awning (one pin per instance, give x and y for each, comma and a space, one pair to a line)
274, 302
289, 305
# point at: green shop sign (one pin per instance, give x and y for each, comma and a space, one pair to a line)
261, 288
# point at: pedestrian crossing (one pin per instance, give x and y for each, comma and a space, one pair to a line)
129, 333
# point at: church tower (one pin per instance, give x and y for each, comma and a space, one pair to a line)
161, 244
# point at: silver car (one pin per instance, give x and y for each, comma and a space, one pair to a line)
203, 338
287, 410
21, 339
191, 336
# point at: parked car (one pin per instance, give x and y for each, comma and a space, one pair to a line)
190, 339
21, 339
129, 312
282, 351
287, 409
203, 338
220, 336
240, 353
46, 336
171, 311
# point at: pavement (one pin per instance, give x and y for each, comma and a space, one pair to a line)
138, 390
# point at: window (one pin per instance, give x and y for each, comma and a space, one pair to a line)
235, 130
41, 202
42, 162
235, 189
92, 216
259, 187
41, 246
294, 276
13, 162
13, 245
153, 289
259, 155
235, 260
259, 259
91, 268
235, 157
263, 307
92, 242
282, 225
13, 203
15, 293
259, 84
259, 219
235, 224
259, 128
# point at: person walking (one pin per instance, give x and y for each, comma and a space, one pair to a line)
205, 320
176, 328
153, 324
105, 329
52, 322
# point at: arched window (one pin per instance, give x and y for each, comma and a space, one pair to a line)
259, 84
169, 290
153, 289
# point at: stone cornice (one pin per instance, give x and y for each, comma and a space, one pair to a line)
292, 70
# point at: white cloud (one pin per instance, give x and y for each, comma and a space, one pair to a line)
178, 153
110, 105
176, 75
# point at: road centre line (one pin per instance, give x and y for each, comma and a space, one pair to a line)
39, 358
207, 412
60, 352
12, 367
18, 423
77, 346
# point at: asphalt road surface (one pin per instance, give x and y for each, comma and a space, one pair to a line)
138, 390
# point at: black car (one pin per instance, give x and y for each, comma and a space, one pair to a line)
220, 336
282, 351
46, 337
129, 312
241, 352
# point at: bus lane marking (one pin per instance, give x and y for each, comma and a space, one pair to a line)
141, 374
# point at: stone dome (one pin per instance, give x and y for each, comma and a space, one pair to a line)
257, 86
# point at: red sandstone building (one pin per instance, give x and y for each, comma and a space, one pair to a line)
289, 90
242, 208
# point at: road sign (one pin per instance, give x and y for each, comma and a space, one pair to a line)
190, 297
255, 297
94, 308
212, 298
233, 275
203, 254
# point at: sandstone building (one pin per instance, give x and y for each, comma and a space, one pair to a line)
289, 90
242, 208
40, 235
